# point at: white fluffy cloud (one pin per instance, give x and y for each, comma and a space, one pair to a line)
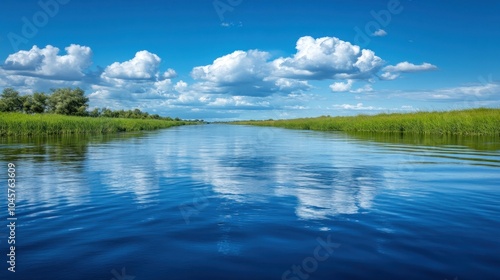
47, 63
341, 87
327, 58
144, 66
180, 86
169, 74
235, 68
243, 73
252, 73
347, 87
137, 79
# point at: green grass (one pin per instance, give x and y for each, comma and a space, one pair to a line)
50, 124
480, 121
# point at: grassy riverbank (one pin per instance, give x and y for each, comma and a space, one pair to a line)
52, 124
480, 121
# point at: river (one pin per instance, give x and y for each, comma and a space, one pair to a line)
238, 202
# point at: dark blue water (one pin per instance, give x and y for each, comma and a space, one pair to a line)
236, 202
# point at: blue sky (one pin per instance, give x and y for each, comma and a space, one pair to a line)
242, 59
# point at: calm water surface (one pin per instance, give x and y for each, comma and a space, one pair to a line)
237, 202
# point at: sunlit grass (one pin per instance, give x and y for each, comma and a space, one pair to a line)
51, 124
480, 121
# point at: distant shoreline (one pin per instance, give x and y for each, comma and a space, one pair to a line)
20, 124
481, 121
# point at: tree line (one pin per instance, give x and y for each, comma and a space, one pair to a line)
65, 101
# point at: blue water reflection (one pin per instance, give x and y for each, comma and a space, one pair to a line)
237, 202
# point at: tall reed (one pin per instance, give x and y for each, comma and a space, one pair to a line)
481, 121
51, 124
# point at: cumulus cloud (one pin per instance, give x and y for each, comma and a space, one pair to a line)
252, 73
170, 74
341, 87
25, 60
348, 87
380, 33
40, 69
240, 73
180, 86
237, 67
137, 79
47, 63
327, 58
144, 66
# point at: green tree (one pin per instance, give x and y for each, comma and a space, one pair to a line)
108, 113
11, 101
95, 113
137, 114
66, 101
39, 104
36, 103
27, 101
